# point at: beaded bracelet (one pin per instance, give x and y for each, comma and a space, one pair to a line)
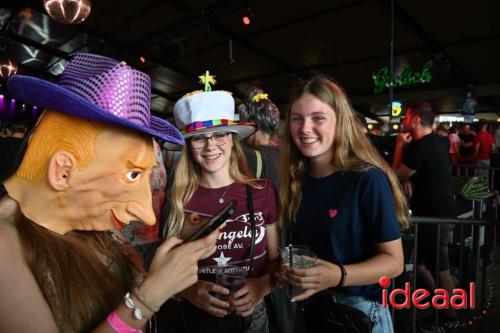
129, 303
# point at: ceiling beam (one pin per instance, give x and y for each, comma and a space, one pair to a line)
281, 26
37, 45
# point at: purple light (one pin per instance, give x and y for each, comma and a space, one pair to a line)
34, 112
2, 104
12, 108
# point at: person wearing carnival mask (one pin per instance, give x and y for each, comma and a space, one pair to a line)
85, 171
211, 172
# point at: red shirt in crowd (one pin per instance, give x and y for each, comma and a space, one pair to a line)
484, 140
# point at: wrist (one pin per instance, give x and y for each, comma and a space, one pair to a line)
343, 276
148, 294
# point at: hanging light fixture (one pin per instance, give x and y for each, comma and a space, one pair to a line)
7, 69
68, 11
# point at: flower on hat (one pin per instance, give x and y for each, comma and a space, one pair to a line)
258, 97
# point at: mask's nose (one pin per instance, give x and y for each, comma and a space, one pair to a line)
141, 205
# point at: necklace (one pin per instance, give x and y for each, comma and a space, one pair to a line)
221, 198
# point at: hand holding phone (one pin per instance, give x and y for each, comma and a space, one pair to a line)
215, 221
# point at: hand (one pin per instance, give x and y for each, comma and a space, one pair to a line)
245, 299
199, 295
315, 279
175, 267
404, 138
407, 188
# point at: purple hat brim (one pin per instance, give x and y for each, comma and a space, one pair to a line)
52, 96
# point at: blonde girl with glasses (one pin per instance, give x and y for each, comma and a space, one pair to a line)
211, 172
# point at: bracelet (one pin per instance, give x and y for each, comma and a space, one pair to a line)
343, 275
129, 303
142, 299
118, 325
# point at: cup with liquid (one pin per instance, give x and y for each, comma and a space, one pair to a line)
231, 277
301, 257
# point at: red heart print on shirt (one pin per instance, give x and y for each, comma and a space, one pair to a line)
332, 212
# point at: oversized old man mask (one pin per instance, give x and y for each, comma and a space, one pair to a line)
88, 160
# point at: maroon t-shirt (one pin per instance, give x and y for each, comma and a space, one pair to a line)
233, 245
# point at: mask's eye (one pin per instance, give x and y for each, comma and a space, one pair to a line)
133, 175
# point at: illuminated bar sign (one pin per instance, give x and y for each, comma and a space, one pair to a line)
408, 77
397, 107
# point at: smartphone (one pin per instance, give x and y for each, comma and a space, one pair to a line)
215, 221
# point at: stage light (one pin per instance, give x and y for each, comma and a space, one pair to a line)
247, 18
395, 126
68, 11
370, 126
7, 69
142, 59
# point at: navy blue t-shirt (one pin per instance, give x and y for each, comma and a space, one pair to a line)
343, 215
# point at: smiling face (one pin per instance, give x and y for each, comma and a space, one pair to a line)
312, 128
113, 189
215, 156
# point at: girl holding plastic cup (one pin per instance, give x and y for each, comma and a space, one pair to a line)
341, 199
211, 172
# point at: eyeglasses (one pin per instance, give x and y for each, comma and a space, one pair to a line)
201, 141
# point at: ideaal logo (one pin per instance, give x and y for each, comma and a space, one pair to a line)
441, 299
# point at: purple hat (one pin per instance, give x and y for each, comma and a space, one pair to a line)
101, 89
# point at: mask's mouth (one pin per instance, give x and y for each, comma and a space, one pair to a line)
116, 222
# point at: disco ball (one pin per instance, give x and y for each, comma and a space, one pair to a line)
7, 69
68, 11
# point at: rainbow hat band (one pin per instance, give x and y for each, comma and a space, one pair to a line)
209, 111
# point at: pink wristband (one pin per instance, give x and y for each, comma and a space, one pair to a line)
118, 325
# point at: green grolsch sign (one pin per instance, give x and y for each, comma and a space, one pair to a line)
408, 77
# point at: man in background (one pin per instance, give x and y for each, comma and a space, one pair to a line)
425, 162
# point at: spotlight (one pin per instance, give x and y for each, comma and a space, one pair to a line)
247, 18
68, 11
7, 69
370, 126
395, 126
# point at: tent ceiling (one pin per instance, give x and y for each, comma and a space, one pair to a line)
347, 39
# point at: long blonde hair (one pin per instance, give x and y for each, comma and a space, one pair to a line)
187, 179
351, 150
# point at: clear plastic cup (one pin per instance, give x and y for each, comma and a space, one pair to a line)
302, 257
231, 277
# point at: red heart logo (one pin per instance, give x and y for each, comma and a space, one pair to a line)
332, 212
